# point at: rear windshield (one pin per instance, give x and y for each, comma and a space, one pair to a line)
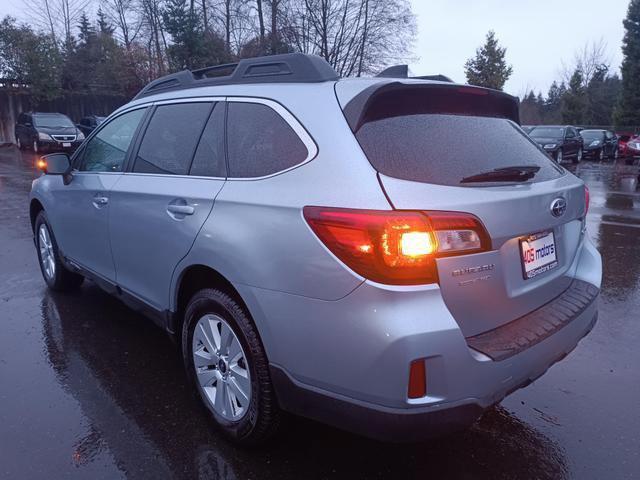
444, 148
592, 134
552, 132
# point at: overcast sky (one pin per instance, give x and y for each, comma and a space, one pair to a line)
538, 34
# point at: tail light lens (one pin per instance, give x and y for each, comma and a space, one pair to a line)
396, 247
586, 200
417, 379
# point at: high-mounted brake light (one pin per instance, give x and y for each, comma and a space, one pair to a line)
396, 247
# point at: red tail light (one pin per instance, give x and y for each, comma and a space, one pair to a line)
396, 247
586, 200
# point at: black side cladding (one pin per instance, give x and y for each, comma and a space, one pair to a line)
381, 101
285, 68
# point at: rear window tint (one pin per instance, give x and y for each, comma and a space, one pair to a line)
260, 141
209, 160
171, 138
443, 148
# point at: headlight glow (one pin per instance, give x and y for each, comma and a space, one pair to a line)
44, 136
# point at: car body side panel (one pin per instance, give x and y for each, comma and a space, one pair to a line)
257, 235
148, 240
80, 225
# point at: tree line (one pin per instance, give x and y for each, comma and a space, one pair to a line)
128, 43
589, 94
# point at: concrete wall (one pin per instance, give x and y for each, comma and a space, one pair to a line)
75, 105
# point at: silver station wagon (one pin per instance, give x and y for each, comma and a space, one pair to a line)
387, 255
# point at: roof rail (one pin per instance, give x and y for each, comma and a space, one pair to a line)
402, 71
285, 68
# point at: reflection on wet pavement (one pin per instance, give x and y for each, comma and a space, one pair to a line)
90, 389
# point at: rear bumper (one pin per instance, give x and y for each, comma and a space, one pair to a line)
421, 423
346, 362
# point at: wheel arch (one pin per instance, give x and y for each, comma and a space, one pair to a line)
35, 207
196, 277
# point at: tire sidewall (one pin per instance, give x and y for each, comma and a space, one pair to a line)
41, 219
220, 304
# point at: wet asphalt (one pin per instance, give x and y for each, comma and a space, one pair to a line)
90, 389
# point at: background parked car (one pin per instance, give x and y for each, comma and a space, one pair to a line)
559, 141
633, 149
51, 132
89, 123
527, 128
623, 138
600, 144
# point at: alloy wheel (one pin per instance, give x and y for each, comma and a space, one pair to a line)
221, 367
35, 146
45, 247
19, 143
559, 156
579, 155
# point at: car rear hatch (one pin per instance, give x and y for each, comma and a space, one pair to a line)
440, 147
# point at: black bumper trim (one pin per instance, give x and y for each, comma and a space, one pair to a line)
514, 337
389, 425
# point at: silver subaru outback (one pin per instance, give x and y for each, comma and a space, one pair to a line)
387, 255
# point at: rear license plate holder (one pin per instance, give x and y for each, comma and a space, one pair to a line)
538, 254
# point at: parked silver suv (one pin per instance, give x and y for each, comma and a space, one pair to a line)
387, 255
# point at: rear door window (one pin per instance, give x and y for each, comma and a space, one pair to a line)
171, 138
260, 141
209, 160
446, 148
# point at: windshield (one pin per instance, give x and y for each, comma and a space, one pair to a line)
52, 121
552, 132
592, 134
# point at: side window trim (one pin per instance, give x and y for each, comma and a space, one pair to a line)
297, 127
78, 159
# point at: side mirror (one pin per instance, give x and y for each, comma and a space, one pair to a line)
56, 164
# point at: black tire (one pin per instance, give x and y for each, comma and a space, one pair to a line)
262, 419
578, 158
62, 278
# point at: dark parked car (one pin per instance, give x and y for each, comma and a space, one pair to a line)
600, 144
51, 132
89, 123
559, 141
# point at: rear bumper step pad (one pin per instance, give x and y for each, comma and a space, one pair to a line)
510, 339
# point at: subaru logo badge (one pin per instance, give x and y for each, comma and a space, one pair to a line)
558, 207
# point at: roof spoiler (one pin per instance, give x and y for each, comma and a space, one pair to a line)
285, 68
388, 99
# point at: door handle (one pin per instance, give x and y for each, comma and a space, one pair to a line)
181, 209
100, 201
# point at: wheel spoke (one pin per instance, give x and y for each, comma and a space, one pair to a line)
218, 403
238, 391
235, 351
205, 337
226, 337
207, 377
229, 403
204, 359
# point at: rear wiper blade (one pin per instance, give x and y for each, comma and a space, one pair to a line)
517, 173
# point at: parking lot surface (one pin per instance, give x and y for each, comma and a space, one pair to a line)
90, 389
